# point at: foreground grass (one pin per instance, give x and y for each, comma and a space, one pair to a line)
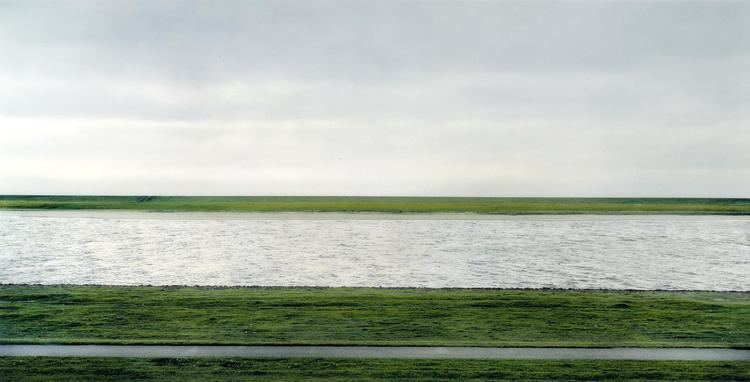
154, 315
386, 204
132, 369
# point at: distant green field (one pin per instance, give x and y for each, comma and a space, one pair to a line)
385, 204
369, 316
235, 369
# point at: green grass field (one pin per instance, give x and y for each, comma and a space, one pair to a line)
130, 369
386, 204
155, 315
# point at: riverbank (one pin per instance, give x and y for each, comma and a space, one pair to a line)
384, 204
367, 316
235, 369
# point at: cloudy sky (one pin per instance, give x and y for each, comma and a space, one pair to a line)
483, 98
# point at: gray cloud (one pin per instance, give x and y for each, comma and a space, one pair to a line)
407, 97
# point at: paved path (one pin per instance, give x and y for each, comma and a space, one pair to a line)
180, 351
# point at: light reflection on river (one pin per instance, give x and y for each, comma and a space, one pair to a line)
628, 252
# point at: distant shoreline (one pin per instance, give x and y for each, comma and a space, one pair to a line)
390, 205
355, 215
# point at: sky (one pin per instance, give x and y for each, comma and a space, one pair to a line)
454, 98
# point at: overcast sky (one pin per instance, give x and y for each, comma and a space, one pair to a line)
308, 97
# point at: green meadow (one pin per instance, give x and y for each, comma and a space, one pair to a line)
368, 316
235, 369
385, 204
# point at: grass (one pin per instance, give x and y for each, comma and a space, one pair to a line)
132, 369
385, 204
170, 315
359, 316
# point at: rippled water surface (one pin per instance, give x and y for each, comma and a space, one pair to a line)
627, 252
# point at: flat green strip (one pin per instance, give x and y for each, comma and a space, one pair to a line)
107, 369
152, 315
386, 204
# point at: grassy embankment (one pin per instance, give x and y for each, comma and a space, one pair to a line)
386, 204
154, 315
129, 369
82, 314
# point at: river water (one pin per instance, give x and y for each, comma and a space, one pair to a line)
581, 251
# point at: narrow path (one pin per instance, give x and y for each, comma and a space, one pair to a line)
181, 351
